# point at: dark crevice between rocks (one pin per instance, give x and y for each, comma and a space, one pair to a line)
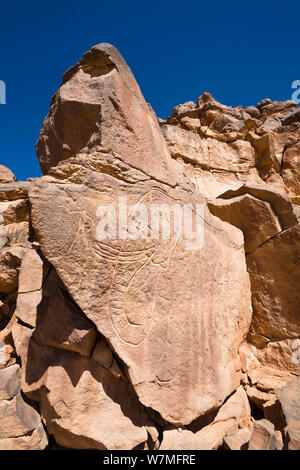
52, 444
31, 403
8, 306
256, 412
207, 418
26, 325
266, 241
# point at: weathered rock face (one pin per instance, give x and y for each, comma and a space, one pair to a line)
288, 397
156, 302
127, 321
226, 147
277, 261
86, 406
214, 165
99, 107
146, 296
272, 241
20, 424
263, 436
234, 414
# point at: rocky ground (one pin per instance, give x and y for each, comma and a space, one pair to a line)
146, 344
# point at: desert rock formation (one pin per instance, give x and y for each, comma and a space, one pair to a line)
137, 340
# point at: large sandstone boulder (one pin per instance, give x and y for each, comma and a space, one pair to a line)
232, 415
174, 314
274, 269
86, 407
272, 242
263, 436
155, 301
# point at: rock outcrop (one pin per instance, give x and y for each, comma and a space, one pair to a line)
149, 280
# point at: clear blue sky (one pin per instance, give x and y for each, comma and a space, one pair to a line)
240, 51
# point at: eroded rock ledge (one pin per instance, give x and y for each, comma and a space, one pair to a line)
144, 343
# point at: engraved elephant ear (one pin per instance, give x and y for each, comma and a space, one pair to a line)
129, 303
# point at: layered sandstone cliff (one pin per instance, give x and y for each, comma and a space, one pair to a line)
135, 341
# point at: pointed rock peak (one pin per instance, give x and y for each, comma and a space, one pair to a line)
206, 97
99, 60
100, 108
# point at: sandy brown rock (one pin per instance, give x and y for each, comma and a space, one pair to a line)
271, 232
216, 166
257, 396
182, 439
6, 175
17, 418
281, 355
268, 155
6, 354
26, 307
31, 273
278, 200
14, 190
10, 382
234, 413
14, 234
10, 261
100, 98
138, 292
268, 379
276, 107
8, 278
237, 406
130, 300
291, 172
75, 333
273, 412
36, 440
238, 440
263, 436
248, 358
17, 211
254, 217
209, 439
289, 398
96, 410
86, 407
275, 273
269, 137
292, 436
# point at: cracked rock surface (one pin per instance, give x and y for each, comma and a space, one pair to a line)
138, 341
